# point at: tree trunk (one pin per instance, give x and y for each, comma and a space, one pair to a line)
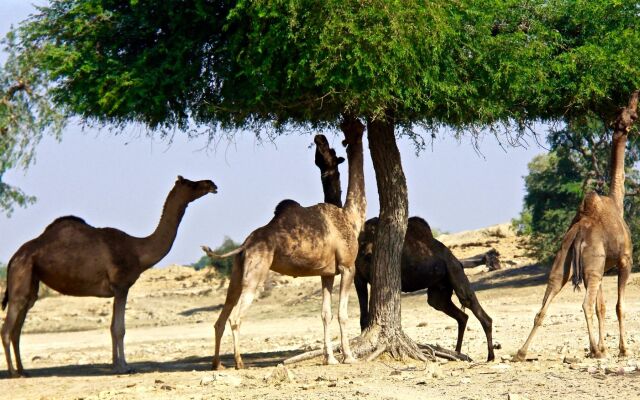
384, 333
385, 310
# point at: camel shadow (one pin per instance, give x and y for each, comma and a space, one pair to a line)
529, 275
192, 311
193, 363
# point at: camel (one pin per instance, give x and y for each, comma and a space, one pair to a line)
426, 262
597, 240
77, 259
321, 240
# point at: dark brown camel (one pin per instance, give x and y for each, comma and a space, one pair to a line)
320, 240
77, 259
597, 240
426, 262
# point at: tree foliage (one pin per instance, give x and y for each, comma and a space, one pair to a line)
578, 162
224, 265
26, 112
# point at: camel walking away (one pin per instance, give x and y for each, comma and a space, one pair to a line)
597, 240
77, 259
320, 240
426, 262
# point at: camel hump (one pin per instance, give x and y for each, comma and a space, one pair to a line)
420, 227
70, 218
283, 205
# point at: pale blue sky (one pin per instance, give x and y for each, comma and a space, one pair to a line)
122, 181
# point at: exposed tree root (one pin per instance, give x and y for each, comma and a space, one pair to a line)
371, 344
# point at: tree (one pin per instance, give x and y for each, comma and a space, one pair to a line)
470, 64
25, 113
576, 164
224, 265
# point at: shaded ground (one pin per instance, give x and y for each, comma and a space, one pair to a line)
169, 342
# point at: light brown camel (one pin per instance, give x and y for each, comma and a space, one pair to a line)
597, 240
77, 259
426, 262
320, 240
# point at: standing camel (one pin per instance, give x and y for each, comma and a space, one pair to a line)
78, 259
597, 240
426, 262
320, 240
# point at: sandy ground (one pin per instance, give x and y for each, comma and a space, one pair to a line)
67, 349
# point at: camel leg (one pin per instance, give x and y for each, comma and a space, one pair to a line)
588, 306
118, 331
343, 314
15, 310
363, 300
235, 319
17, 330
441, 301
624, 268
327, 288
553, 288
233, 294
600, 313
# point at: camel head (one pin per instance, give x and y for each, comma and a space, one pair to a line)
326, 158
194, 190
353, 130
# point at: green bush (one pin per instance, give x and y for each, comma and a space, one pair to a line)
223, 266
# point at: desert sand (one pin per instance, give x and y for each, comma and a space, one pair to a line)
66, 346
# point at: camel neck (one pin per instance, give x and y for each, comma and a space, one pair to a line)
356, 204
331, 187
616, 188
623, 123
154, 247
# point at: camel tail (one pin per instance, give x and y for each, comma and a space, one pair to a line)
217, 256
577, 262
5, 299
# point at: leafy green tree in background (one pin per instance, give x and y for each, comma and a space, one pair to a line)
26, 112
224, 265
578, 162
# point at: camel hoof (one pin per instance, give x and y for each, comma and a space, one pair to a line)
15, 374
331, 361
349, 360
217, 366
123, 370
521, 355
240, 365
598, 354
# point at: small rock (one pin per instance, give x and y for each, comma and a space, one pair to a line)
158, 381
506, 357
167, 387
36, 358
207, 380
497, 346
227, 379
280, 374
571, 360
422, 324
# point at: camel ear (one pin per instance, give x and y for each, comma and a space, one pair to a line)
180, 178
340, 160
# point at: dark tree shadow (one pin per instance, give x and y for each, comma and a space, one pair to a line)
251, 360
